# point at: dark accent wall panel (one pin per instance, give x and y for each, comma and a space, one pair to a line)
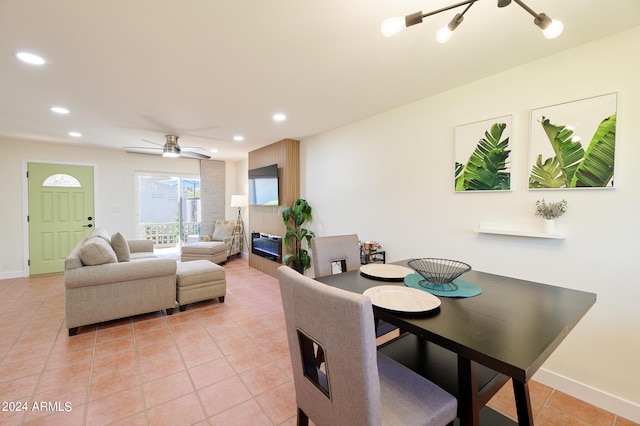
266, 219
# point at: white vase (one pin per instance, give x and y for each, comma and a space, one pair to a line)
549, 226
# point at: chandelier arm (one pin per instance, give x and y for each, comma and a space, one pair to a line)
453, 6
528, 9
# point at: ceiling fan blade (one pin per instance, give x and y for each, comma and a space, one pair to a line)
143, 153
142, 147
155, 143
193, 155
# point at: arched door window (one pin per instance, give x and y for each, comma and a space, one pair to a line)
62, 180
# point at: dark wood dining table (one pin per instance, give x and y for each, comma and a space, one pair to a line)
472, 346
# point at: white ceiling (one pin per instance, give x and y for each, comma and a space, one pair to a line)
206, 70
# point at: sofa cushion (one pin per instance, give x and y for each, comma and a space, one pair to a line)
121, 247
204, 248
222, 231
99, 232
96, 251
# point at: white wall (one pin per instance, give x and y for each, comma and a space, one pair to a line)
115, 197
390, 178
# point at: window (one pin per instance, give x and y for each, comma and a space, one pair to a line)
62, 180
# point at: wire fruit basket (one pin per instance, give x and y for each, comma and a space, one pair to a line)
439, 274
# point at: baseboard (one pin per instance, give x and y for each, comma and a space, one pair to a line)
613, 404
10, 275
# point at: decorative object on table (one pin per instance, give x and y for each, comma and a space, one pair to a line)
294, 217
384, 272
562, 156
438, 274
238, 201
402, 299
550, 212
482, 163
369, 252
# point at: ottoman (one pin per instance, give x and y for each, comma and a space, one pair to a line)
199, 280
214, 251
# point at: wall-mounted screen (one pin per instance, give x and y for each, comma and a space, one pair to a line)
263, 186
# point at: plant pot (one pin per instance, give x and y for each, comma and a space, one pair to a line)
298, 266
549, 226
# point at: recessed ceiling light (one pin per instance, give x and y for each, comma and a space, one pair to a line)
213, 150
279, 117
75, 134
30, 58
60, 110
238, 138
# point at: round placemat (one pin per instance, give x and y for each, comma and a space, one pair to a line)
465, 288
384, 272
397, 298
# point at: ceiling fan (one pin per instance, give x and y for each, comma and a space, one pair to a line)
170, 149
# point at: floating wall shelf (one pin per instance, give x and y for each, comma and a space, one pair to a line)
519, 233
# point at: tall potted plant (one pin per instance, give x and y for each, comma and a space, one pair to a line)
294, 217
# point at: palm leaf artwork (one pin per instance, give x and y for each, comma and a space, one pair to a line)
547, 174
486, 168
571, 166
597, 167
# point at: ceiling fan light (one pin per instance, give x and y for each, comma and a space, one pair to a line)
171, 151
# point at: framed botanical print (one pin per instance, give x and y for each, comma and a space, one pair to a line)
481, 155
572, 145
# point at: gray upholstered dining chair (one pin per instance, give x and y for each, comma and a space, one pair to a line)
354, 384
341, 249
343, 252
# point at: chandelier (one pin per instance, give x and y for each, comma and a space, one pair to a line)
551, 28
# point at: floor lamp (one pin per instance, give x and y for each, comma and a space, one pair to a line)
238, 201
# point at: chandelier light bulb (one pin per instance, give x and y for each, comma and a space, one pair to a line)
443, 35
553, 30
393, 26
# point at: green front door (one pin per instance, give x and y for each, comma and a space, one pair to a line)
60, 213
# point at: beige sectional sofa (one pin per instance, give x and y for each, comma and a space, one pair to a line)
107, 277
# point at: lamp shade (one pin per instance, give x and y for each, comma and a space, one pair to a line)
239, 201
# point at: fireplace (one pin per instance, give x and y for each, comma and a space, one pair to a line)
267, 246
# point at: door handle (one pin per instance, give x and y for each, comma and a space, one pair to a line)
88, 226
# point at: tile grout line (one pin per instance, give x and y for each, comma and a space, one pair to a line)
244, 333
187, 370
544, 405
93, 357
44, 365
140, 381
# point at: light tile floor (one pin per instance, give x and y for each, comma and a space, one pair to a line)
216, 363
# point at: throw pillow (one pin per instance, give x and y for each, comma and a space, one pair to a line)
99, 232
121, 247
204, 238
222, 231
96, 251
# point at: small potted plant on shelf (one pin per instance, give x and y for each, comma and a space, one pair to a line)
550, 212
294, 217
